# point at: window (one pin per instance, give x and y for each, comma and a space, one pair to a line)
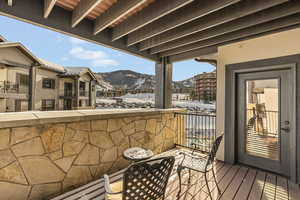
82, 91
48, 83
82, 85
22, 79
48, 104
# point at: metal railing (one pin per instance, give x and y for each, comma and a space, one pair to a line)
67, 93
83, 93
10, 87
264, 122
196, 130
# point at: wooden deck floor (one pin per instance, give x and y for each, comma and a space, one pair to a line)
235, 181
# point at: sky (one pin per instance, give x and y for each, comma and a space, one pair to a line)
68, 51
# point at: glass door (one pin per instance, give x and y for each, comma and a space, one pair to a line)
263, 115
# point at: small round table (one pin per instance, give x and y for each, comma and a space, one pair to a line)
136, 154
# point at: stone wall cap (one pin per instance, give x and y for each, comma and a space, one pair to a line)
30, 118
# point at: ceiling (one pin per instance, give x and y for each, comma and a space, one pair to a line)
155, 29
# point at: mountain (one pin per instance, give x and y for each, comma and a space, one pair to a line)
127, 79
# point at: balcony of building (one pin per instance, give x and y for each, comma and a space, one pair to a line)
63, 155
10, 90
83, 93
67, 94
52, 153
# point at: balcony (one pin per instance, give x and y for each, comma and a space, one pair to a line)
83, 93
235, 181
67, 94
90, 143
13, 90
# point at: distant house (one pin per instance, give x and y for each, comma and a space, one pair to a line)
30, 83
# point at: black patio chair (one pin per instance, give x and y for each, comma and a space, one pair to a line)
193, 162
146, 180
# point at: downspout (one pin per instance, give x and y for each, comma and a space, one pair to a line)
32, 86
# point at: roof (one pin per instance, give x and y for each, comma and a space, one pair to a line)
22, 48
158, 29
102, 7
2, 39
52, 66
75, 71
78, 71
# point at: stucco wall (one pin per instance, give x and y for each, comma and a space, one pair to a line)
271, 46
44, 93
8, 73
14, 55
44, 154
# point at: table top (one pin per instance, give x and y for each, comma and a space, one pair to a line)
137, 154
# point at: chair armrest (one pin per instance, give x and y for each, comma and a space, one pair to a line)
194, 156
107, 185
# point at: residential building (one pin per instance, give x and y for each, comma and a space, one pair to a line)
16, 66
77, 88
30, 83
205, 86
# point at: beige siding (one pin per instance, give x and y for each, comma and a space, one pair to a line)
3, 73
62, 82
44, 93
14, 55
271, 46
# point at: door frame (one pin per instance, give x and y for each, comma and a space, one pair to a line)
231, 72
282, 77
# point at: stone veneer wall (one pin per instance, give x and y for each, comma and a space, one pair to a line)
43, 159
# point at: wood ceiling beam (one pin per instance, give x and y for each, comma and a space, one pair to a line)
153, 12
236, 35
31, 11
48, 6
83, 8
270, 14
201, 52
179, 17
228, 14
116, 12
194, 54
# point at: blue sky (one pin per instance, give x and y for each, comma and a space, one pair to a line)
68, 51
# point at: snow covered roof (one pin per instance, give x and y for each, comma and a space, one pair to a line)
52, 66
72, 71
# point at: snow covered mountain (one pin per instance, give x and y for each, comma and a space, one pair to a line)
127, 79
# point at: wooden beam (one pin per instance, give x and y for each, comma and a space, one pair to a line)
244, 33
201, 52
83, 8
116, 12
194, 54
60, 22
48, 6
153, 12
163, 88
179, 17
270, 14
233, 12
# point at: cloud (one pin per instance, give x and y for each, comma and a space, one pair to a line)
97, 58
76, 41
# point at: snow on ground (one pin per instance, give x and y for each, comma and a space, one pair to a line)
144, 98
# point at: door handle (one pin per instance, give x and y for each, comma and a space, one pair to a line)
286, 129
